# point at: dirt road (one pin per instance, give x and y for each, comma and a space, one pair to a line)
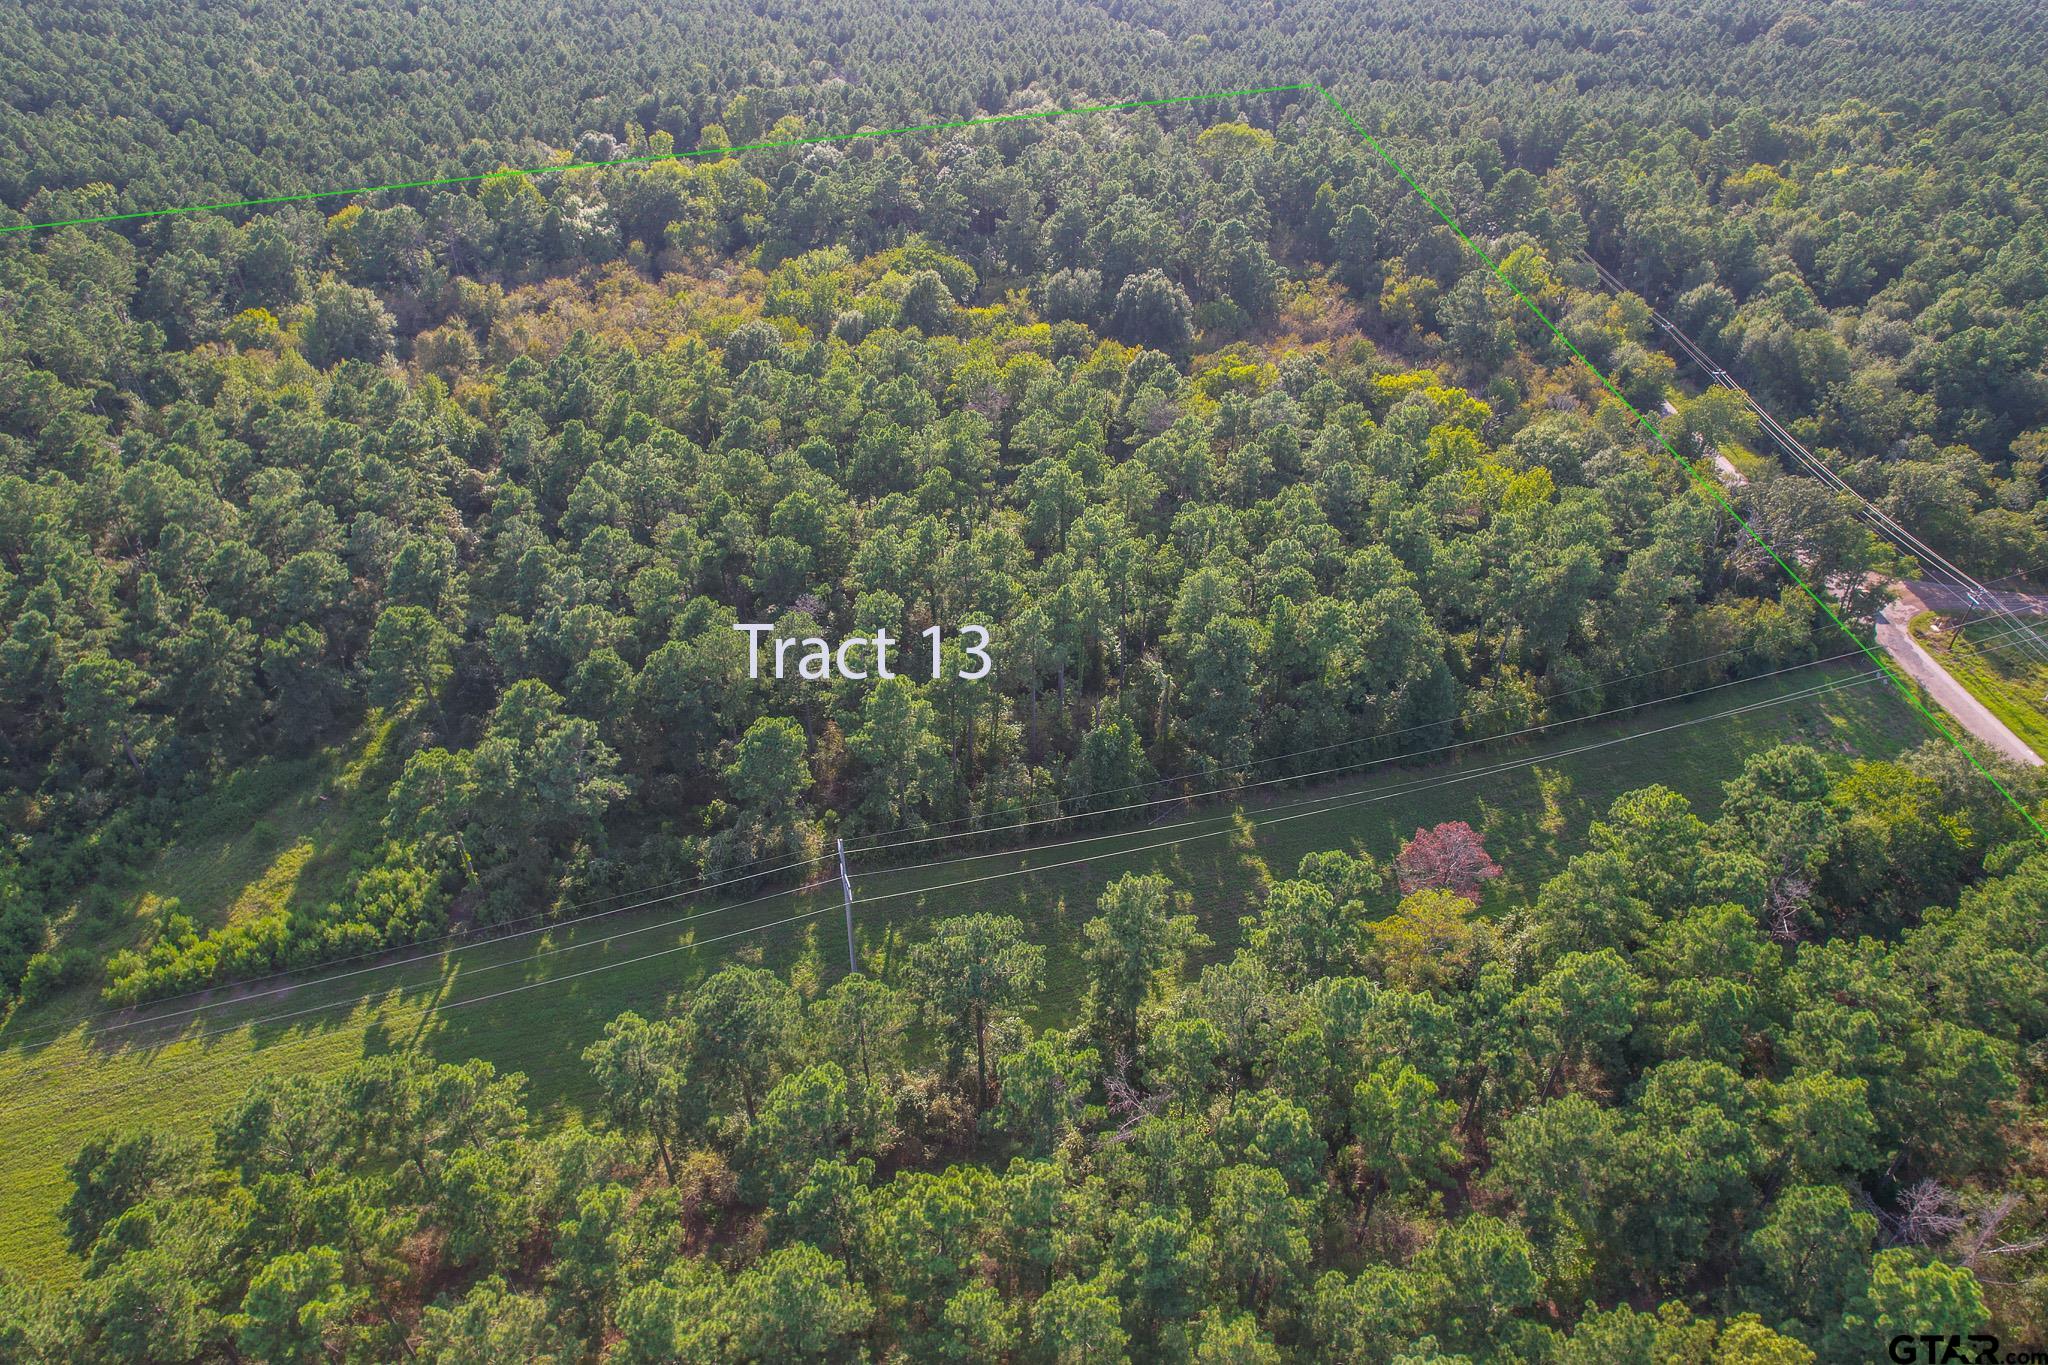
1894, 637
1923, 668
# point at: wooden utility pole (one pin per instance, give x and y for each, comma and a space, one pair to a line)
846, 885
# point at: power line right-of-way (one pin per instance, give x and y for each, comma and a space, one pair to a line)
143, 1022
1888, 527
1293, 811
660, 893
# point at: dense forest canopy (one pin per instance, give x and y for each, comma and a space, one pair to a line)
1136, 431
1621, 1124
1252, 469
191, 102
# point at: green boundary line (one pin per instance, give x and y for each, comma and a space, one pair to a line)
982, 122
1698, 476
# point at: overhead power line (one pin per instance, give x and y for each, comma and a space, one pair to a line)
1703, 480
1940, 567
1294, 811
658, 893
156, 1018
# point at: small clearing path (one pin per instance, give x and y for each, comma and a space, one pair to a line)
1894, 636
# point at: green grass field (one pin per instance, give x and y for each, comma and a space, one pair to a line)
271, 837
1743, 458
532, 1003
2010, 682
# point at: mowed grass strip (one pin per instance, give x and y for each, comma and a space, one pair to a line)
270, 839
475, 1001
2011, 681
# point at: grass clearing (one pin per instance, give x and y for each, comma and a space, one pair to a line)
277, 835
1751, 464
532, 1004
270, 838
2011, 683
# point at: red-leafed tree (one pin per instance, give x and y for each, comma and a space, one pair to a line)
1452, 856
